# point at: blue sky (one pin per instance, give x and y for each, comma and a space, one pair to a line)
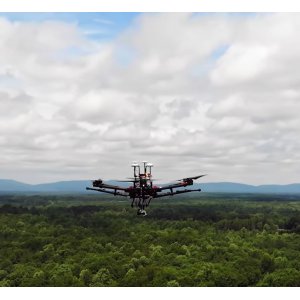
97, 25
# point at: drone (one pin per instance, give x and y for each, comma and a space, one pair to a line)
142, 190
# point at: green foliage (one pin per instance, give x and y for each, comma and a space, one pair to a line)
103, 278
62, 276
172, 283
211, 241
85, 277
283, 277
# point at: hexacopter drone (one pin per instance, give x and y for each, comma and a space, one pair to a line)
142, 190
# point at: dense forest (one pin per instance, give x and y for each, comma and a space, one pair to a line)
88, 240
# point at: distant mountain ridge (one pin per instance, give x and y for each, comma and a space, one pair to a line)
78, 186
72, 186
231, 187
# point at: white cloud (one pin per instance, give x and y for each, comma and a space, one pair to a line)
192, 93
241, 63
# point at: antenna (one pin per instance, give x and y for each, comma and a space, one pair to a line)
149, 165
135, 165
145, 162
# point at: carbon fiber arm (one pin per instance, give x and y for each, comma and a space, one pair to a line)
175, 193
115, 193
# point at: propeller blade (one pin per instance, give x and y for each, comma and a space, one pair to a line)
194, 177
124, 180
199, 176
138, 179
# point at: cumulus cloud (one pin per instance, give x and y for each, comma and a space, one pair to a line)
215, 93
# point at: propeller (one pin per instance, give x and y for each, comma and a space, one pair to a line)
125, 180
138, 179
195, 177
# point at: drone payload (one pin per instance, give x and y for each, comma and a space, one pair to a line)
142, 190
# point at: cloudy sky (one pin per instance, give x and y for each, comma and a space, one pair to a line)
82, 95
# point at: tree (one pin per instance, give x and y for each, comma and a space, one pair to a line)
103, 278
39, 279
85, 276
288, 277
62, 276
172, 283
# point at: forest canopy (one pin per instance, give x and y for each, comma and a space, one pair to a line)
212, 240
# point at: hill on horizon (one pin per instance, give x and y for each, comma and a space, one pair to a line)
78, 186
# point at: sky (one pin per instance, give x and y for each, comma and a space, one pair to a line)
82, 95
